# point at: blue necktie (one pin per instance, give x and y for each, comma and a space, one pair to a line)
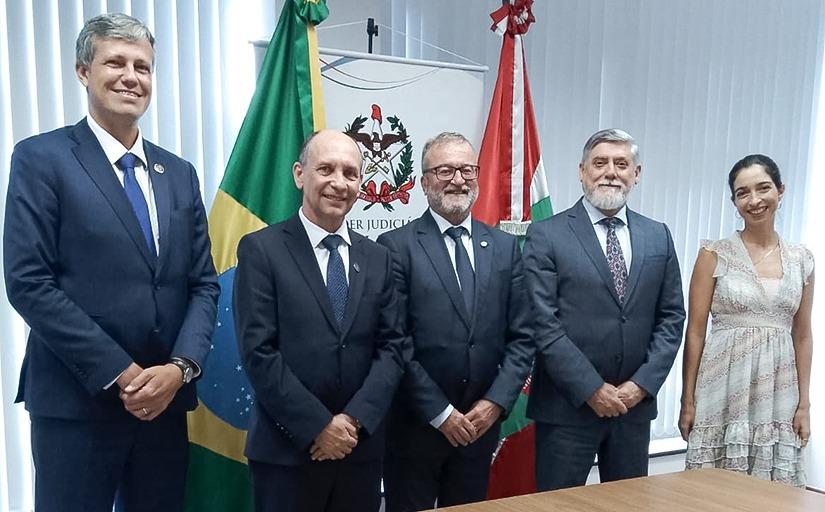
337, 287
464, 269
136, 197
615, 257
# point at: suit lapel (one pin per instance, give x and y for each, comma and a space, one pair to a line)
432, 241
297, 243
160, 187
637, 243
483, 260
357, 261
585, 232
94, 162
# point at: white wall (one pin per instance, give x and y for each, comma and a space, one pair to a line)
816, 241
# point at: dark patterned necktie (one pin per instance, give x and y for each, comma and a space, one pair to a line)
463, 267
615, 257
136, 198
337, 287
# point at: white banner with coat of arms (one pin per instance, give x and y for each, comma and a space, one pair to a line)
391, 107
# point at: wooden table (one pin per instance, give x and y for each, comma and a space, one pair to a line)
706, 490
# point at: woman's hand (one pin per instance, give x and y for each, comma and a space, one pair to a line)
802, 424
686, 417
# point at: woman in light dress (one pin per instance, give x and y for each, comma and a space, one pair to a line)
745, 401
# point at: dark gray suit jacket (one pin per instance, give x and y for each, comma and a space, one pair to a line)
452, 358
584, 335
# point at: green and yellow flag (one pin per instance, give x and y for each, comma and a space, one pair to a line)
257, 190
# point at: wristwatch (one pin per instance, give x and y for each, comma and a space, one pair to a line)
185, 368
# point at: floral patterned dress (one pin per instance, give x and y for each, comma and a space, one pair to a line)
746, 390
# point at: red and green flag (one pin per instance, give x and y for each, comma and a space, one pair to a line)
513, 184
257, 190
513, 192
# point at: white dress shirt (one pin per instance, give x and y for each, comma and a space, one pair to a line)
316, 236
622, 231
114, 150
467, 241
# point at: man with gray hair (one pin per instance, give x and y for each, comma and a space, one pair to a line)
607, 313
464, 310
107, 259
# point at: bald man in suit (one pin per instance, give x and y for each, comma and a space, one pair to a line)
317, 327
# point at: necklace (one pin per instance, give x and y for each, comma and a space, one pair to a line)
764, 256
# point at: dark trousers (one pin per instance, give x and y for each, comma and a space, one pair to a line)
329, 486
453, 479
89, 466
565, 453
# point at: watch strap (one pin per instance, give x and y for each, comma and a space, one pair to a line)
185, 367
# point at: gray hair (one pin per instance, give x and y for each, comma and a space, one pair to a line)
108, 26
443, 138
610, 135
303, 153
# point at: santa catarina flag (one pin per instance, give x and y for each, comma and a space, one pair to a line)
512, 184
512, 192
257, 190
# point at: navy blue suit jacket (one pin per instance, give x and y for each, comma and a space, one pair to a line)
303, 366
584, 335
452, 358
79, 272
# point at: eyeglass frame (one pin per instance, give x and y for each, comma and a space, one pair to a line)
434, 170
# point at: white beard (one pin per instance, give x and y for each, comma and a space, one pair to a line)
447, 205
604, 200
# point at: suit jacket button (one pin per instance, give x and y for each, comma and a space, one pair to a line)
472, 344
464, 381
624, 319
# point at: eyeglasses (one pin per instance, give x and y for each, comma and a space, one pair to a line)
447, 172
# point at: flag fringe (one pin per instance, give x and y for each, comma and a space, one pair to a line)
514, 227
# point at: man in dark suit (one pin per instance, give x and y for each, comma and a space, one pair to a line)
107, 259
316, 319
607, 312
465, 314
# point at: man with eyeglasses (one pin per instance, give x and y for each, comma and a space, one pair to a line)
468, 346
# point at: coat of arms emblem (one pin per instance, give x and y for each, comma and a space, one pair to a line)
388, 163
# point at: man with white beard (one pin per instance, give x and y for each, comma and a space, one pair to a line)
468, 349
607, 312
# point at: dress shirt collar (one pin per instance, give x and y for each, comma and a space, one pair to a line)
444, 224
112, 147
596, 215
317, 234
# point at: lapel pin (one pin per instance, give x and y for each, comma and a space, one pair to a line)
356, 267
483, 243
159, 168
